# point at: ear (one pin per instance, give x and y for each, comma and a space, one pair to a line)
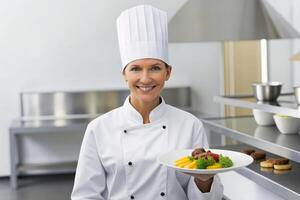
169, 70
124, 75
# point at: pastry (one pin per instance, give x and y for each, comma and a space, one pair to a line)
266, 169
257, 155
283, 167
280, 161
248, 151
267, 163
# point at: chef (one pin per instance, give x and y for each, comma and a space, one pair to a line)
118, 156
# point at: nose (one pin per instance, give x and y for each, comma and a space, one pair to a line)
145, 77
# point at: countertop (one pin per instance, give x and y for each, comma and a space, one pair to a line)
288, 179
268, 138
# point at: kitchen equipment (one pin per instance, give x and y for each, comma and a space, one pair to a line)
267, 91
263, 118
207, 18
286, 124
53, 105
297, 94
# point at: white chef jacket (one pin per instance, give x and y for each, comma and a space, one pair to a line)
118, 156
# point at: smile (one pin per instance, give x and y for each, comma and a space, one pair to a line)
145, 88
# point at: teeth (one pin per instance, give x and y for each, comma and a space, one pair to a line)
145, 89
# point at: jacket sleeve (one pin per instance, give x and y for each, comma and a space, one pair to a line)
90, 178
216, 191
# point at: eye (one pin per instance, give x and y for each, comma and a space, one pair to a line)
155, 68
135, 69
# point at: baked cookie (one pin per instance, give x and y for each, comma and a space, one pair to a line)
283, 167
267, 163
280, 161
248, 151
257, 155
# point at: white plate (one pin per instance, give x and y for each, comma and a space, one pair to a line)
239, 160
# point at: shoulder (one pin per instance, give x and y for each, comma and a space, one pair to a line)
105, 118
179, 114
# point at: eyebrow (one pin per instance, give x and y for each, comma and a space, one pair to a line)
151, 65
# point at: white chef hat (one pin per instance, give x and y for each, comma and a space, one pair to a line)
143, 33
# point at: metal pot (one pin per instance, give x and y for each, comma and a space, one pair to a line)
267, 91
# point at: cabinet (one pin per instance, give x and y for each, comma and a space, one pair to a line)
266, 138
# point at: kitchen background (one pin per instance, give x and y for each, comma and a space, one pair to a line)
71, 45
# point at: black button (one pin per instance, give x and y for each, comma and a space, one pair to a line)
130, 163
164, 127
162, 194
125, 131
131, 197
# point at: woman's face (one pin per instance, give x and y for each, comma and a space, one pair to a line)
146, 79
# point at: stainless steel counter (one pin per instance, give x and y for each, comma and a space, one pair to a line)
244, 129
47, 126
285, 105
286, 184
269, 139
23, 128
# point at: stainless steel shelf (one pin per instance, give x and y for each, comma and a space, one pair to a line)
285, 105
245, 130
285, 184
47, 168
20, 127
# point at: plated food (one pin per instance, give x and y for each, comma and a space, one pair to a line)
205, 167
202, 159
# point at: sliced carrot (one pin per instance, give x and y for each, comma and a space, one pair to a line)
182, 159
214, 166
184, 164
191, 165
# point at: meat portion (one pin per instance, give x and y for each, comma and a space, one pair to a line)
213, 155
198, 153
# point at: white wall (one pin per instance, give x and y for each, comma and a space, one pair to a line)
280, 66
201, 64
290, 10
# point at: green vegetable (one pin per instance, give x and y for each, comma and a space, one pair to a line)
225, 161
191, 158
203, 162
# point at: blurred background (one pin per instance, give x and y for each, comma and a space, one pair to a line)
216, 48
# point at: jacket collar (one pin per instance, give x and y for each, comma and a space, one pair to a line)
131, 114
